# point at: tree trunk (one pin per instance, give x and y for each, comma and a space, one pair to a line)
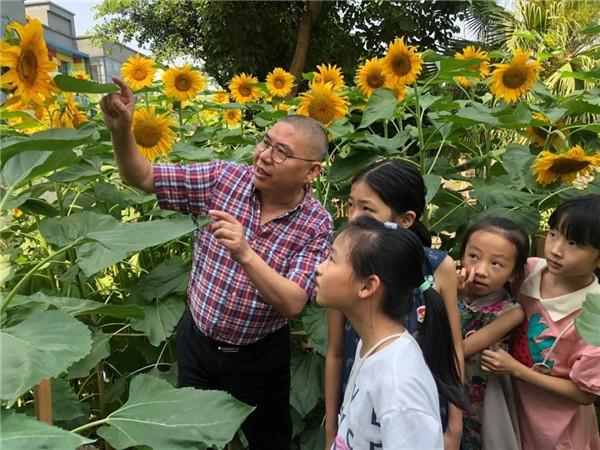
303, 40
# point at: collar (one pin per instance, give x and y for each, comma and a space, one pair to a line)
561, 306
255, 195
487, 300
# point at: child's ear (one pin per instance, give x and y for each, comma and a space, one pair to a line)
406, 219
369, 286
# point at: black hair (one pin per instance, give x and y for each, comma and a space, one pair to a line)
396, 256
512, 232
315, 135
401, 187
578, 219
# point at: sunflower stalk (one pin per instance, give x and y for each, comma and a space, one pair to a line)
419, 120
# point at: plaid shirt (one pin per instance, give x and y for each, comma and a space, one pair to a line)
223, 302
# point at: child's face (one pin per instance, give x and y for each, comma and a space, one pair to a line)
492, 258
364, 201
335, 279
567, 258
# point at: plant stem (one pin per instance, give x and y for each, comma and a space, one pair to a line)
419, 121
8, 299
89, 425
180, 122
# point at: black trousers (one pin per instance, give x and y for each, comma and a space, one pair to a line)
257, 374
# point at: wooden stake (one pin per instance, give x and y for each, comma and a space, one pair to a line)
42, 401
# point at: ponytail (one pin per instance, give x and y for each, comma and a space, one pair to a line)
436, 342
422, 233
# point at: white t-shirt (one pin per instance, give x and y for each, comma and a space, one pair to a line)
394, 404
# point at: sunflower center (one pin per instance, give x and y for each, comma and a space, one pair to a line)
514, 77
401, 65
139, 74
183, 83
147, 133
563, 166
279, 83
28, 67
540, 132
321, 110
245, 90
375, 80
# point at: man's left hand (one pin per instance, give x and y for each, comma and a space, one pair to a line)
230, 233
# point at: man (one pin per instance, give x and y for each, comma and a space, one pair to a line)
252, 270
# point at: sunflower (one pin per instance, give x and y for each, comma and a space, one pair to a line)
370, 76
220, 97
280, 82
244, 88
69, 116
28, 74
483, 67
152, 133
80, 75
326, 73
16, 213
138, 71
323, 103
568, 166
402, 63
512, 80
283, 107
399, 90
232, 116
183, 83
539, 135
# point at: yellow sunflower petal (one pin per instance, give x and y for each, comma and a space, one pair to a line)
280, 82
512, 80
327, 73
138, 71
183, 83
483, 67
402, 64
323, 103
567, 166
232, 116
220, 97
152, 133
244, 88
81, 75
370, 76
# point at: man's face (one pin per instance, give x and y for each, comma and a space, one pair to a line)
291, 174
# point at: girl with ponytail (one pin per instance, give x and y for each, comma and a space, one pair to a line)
394, 191
374, 276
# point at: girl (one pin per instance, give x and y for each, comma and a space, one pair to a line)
493, 255
556, 374
372, 275
394, 191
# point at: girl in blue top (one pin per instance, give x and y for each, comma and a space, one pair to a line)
394, 191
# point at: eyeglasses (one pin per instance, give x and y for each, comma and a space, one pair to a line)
278, 153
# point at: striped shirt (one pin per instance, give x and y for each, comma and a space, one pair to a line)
224, 303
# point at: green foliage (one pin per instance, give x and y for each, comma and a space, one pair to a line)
587, 322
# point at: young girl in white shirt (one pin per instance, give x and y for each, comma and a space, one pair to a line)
372, 276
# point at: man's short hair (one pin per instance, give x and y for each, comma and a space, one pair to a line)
314, 134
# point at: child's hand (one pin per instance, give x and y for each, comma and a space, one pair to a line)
499, 362
465, 280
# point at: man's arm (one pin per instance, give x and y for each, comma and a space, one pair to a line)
118, 109
284, 295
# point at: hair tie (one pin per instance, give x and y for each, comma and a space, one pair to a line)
428, 283
391, 225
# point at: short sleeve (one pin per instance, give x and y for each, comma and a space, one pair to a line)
409, 429
304, 264
186, 188
585, 371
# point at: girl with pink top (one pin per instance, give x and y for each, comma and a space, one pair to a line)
556, 375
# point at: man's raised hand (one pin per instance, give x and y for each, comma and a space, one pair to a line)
118, 108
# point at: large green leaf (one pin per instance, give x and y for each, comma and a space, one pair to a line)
314, 319
499, 194
162, 417
526, 216
77, 306
587, 322
382, 105
345, 168
160, 320
170, 276
48, 140
517, 161
433, 184
65, 404
390, 145
71, 84
22, 432
100, 350
42, 346
307, 381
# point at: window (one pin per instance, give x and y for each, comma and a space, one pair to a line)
64, 67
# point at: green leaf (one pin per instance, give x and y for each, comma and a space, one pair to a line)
42, 346
526, 216
191, 152
166, 278
163, 417
160, 320
48, 140
344, 168
314, 319
86, 168
449, 68
307, 381
501, 195
22, 432
65, 404
391, 145
340, 128
312, 439
71, 84
433, 184
517, 161
39, 207
100, 350
382, 105
587, 322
